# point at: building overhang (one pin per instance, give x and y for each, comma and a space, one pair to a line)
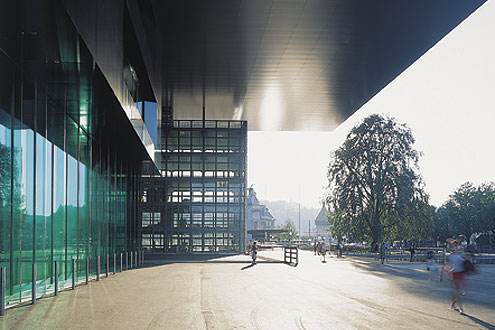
292, 65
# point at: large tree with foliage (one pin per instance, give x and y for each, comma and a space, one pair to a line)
468, 210
375, 190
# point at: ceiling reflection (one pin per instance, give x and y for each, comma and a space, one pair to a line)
292, 65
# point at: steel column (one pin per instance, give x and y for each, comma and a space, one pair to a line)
56, 278
87, 269
98, 268
73, 273
33, 285
3, 288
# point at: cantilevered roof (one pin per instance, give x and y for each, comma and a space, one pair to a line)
292, 65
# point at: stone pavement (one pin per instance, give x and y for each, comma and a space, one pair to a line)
226, 293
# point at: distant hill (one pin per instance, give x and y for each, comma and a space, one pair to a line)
283, 210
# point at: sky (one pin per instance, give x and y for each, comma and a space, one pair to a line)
447, 98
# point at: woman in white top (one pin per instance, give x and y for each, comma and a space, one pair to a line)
455, 268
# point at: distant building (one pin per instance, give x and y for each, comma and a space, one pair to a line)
321, 223
258, 215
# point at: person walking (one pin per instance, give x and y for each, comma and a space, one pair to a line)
430, 259
315, 247
455, 270
322, 250
254, 252
339, 250
383, 252
412, 251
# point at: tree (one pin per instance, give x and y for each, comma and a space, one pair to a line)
468, 210
291, 233
375, 190
4, 176
487, 203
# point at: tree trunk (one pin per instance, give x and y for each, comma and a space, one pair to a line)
376, 228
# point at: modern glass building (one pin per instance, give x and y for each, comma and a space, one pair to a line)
198, 204
69, 187
89, 89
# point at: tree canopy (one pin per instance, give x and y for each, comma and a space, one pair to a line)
291, 233
375, 190
468, 210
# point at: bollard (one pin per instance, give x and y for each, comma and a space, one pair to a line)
98, 269
136, 259
3, 288
121, 257
87, 269
115, 263
126, 261
56, 278
33, 285
444, 256
73, 273
142, 257
108, 264
132, 253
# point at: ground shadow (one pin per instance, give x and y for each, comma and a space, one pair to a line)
480, 322
421, 282
162, 259
248, 266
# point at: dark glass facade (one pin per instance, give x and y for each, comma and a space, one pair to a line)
199, 202
69, 188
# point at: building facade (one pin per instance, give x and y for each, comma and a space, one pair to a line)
258, 215
198, 204
69, 188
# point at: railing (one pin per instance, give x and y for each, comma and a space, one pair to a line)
136, 259
291, 255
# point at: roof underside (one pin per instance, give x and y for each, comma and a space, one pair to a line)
292, 65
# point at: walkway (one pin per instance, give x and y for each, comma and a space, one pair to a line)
343, 293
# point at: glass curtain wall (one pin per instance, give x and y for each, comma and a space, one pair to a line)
199, 203
63, 190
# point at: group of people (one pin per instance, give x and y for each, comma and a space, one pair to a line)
456, 267
321, 248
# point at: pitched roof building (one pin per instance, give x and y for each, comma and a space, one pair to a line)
321, 221
258, 215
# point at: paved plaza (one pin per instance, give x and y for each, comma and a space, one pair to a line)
225, 293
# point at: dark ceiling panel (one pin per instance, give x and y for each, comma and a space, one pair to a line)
293, 65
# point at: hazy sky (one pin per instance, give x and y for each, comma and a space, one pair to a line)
447, 98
